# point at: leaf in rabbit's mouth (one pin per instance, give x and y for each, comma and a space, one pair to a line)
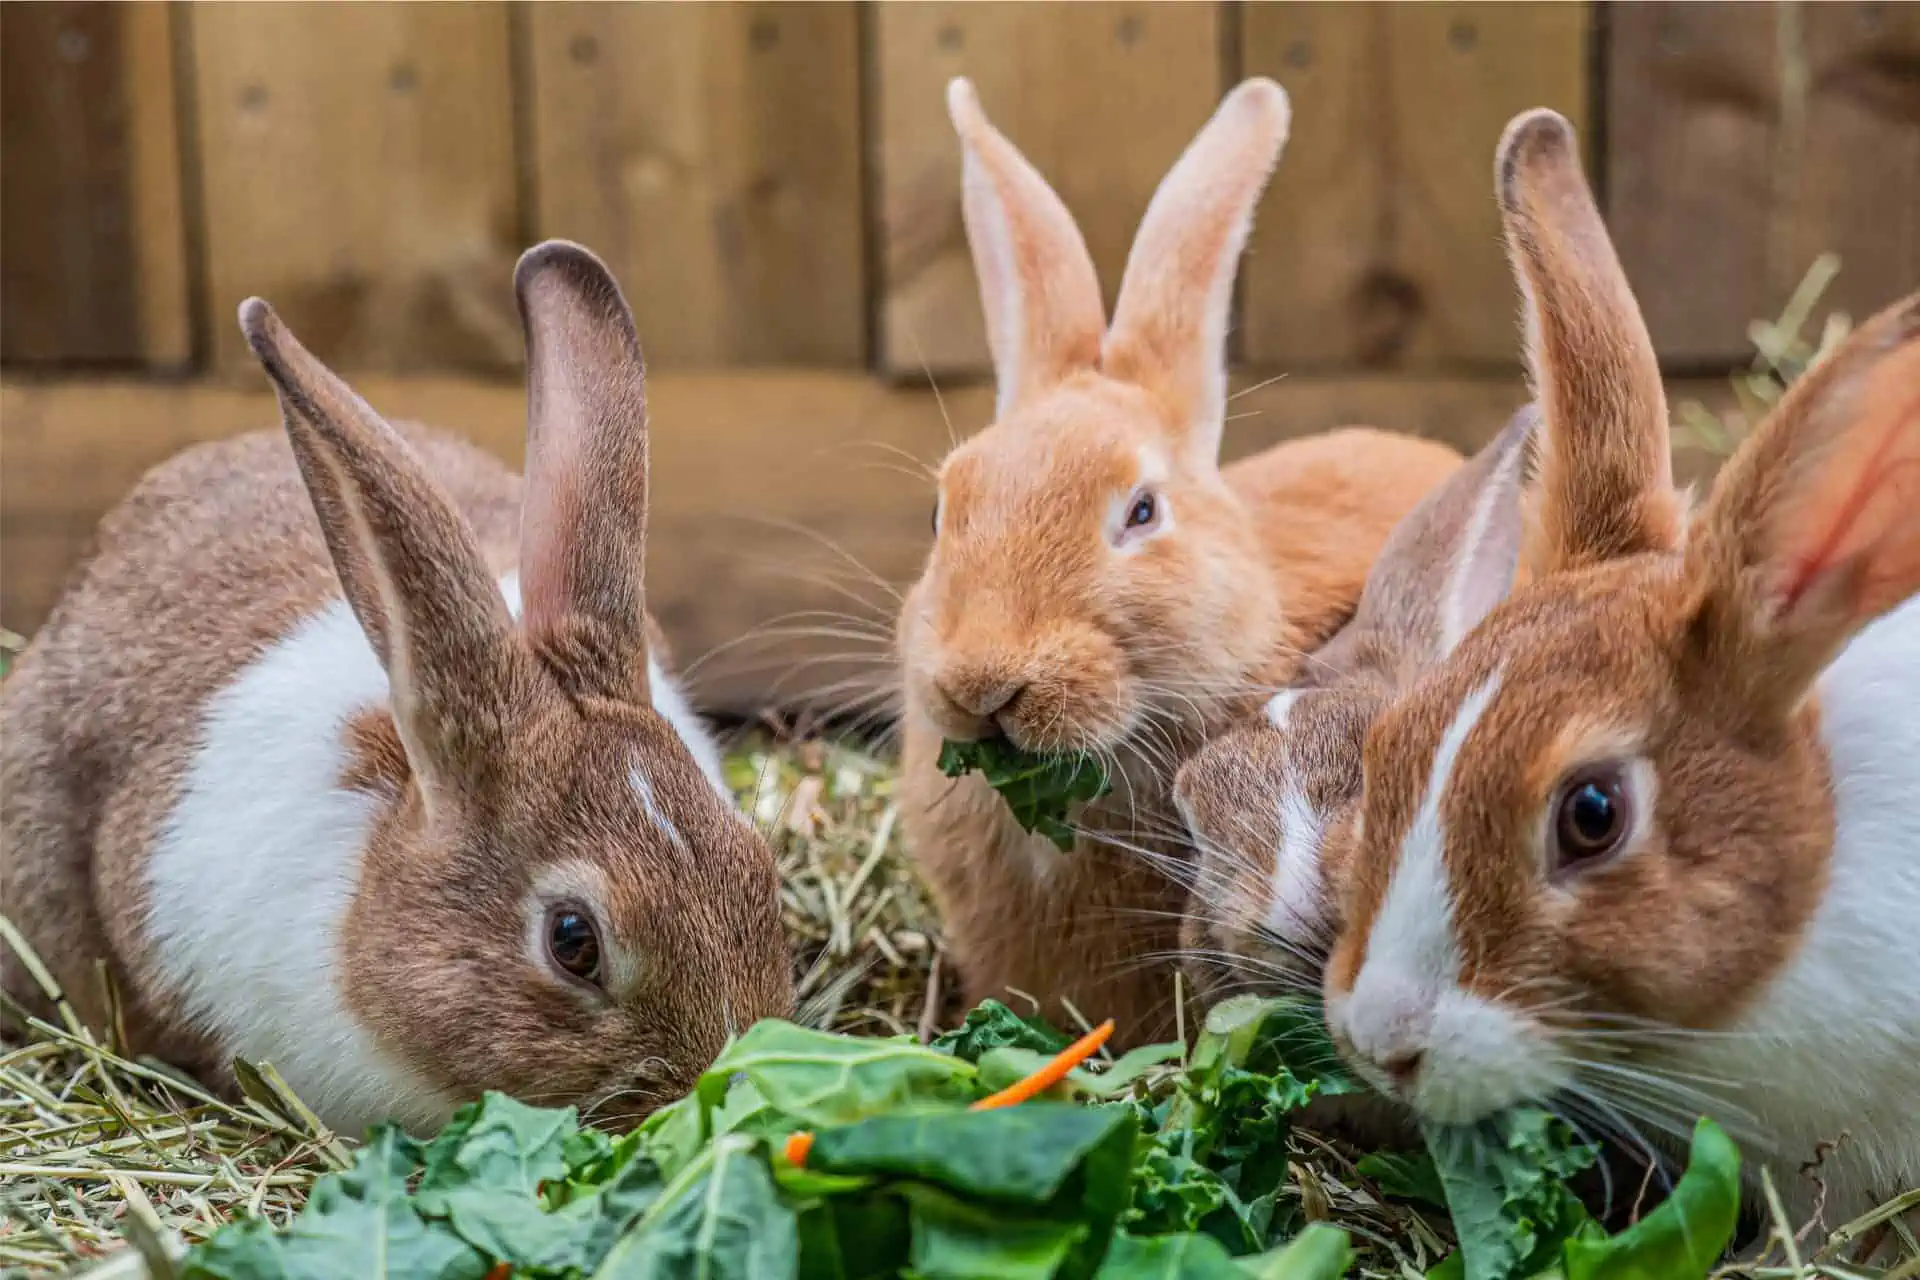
1039, 789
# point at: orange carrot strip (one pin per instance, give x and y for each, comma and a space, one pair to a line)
501, 1271
798, 1144
1051, 1074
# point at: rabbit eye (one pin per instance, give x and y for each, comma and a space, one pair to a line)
1144, 513
936, 517
574, 944
1591, 819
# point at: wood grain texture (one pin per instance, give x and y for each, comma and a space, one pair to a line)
1378, 244
1101, 97
92, 247
775, 494
1738, 151
358, 164
711, 154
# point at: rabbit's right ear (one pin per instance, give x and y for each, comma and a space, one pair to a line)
1038, 286
1170, 326
1451, 559
1605, 472
583, 528
1811, 530
408, 561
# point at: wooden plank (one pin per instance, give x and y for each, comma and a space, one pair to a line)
154, 185
92, 265
1743, 142
734, 548
1142, 80
711, 154
1856, 159
1691, 92
358, 168
1378, 244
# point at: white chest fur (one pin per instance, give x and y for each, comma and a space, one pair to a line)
252, 874
1834, 1044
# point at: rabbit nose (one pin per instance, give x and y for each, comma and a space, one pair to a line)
984, 700
1402, 1067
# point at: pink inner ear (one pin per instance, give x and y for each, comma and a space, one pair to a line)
1858, 513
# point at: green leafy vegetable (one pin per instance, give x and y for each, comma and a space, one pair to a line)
1039, 790
1166, 1165
1320, 1252
1684, 1237
724, 1220
994, 1026
1405, 1175
814, 1078
1505, 1188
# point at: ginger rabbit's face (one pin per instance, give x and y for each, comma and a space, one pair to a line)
1080, 578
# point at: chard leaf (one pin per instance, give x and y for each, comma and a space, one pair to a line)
484, 1174
1168, 1257
815, 1079
1040, 791
1684, 1237
1405, 1175
723, 1219
1506, 1191
1321, 1252
1173, 1193
957, 1240
994, 1026
1026, 1155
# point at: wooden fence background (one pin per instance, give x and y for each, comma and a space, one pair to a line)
777, 187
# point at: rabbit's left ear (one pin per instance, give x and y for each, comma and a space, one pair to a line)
1812, 531
1605, 475
1449, 560
409, 564
583, 529
1169, 331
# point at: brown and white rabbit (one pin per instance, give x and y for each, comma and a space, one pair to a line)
1272, 804
1648, 841
315, 796
1097, 583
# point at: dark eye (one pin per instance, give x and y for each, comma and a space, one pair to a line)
1143, 511
936, 517
573, 943
1591, 818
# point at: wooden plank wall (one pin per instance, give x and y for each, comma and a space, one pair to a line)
777, 187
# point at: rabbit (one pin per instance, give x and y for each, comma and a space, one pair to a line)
1271, 803
1097, 581
1646, 844
350, 752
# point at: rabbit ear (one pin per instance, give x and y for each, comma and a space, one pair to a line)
1451, 559
1037, 283
1811, 530
1170, 326
1605, 473
407, 559
583, 528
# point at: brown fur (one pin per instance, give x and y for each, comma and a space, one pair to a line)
501, 753
1025, 622
1693, 650
1447, 562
